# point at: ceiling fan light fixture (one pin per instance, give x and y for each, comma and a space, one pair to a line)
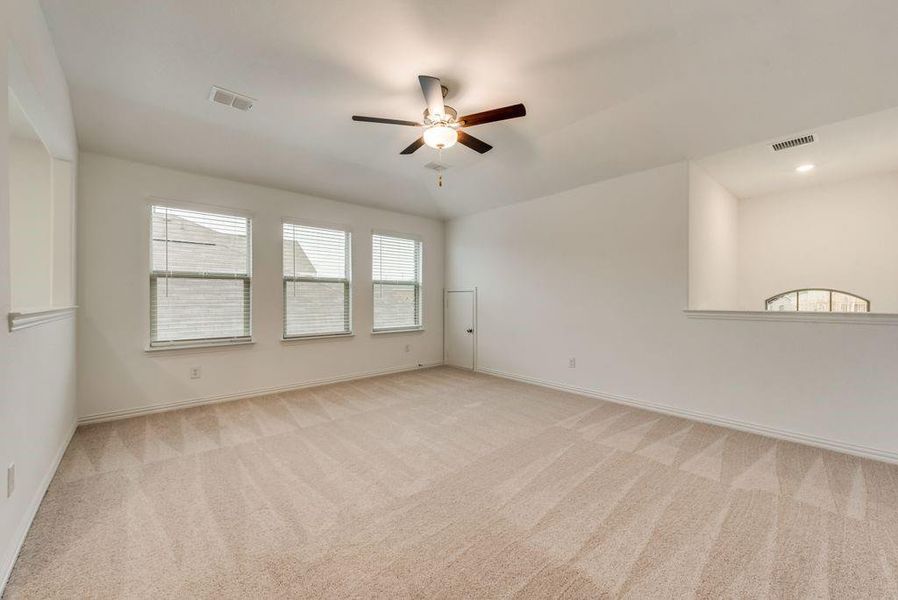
440, 136
442, 126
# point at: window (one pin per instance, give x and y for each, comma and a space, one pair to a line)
200, 278
396, 271
317, 296
818, 301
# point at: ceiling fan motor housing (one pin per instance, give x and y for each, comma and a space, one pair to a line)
448, 118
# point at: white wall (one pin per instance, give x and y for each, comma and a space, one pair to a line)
600, 273
840, 236
63, 217
37, 365
115, 372
31, 214
713, 243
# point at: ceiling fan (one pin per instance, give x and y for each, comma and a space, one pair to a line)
442, 126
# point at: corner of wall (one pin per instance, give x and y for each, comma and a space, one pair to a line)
37, 365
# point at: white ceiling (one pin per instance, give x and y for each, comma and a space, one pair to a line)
843, 150
610, 86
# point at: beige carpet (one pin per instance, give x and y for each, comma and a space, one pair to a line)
444, 484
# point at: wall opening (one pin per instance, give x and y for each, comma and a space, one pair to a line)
808, 228
41, 219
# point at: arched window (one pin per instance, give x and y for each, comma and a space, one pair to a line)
817, 300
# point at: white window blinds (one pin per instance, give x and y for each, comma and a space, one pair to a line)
200, 277
317, 293
396, 272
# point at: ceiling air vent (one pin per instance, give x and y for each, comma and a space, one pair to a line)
229, 98
794, 142
435, 166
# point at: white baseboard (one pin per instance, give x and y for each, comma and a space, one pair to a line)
114, 415
782, 434
28, 517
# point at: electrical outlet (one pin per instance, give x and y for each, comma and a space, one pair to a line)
195, 373
10, 479
572, 363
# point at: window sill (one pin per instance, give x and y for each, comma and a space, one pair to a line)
32, 318
801, 317
327, 336
198, 346
405, 330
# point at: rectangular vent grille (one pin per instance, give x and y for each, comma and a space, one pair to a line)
229, 98
794, 142
435, 166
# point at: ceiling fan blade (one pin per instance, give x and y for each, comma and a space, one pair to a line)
387, 121
497, 114
473, 143
433, 94
413, 146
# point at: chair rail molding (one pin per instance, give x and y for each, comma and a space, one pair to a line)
33, 318
789, 315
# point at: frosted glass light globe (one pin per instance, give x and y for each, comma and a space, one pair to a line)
440, 136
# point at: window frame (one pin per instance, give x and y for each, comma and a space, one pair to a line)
347, 281
419, 283
156, 345
829, 291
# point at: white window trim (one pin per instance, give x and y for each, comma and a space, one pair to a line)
420, 283
397, 330
317, 336
150, 345
173, 346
